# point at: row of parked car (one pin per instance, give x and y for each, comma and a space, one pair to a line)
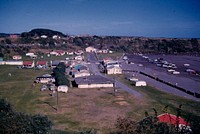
50, 87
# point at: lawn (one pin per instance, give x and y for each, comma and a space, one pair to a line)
83, 109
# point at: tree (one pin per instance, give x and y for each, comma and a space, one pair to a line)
8, 41
151, 125
59, 73
21, 123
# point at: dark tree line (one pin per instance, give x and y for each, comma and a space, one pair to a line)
12, 122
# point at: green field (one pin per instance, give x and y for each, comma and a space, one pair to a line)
83, 109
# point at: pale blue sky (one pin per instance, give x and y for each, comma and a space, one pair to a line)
150, 18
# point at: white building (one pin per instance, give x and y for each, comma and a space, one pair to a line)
91, 49
82, 73
62, 88
47, 78
56, 37
139, 83
17, 57
28, 64
29, 54
78, 57
113, 70
17, 63
44, 36
93, 81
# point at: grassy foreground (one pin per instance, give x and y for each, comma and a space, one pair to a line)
82, 109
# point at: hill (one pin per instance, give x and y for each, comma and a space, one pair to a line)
116, 43
40, 32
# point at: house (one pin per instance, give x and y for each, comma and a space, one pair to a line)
106, 60
57, 53
111, 63
46, 78
110, 52
93, 81
174, 120
43, 36
14, 36
17, 57
70, 53
33, 56
54, 53
1, 61
17, 63
91, 49
29, 54
78, 57
79, 52
56, 37
105, 51
139, 83
28, 64
113, 70
62, 88
60, 52
80, 67
81, 73
41, 64
55, 63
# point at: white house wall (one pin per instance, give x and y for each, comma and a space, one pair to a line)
14, 63
94, 85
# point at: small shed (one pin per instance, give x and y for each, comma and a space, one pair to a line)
63, 88
139, 83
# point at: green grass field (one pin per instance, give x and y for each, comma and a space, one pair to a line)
83, 109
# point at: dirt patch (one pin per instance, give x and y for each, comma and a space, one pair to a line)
89, 108
122, 103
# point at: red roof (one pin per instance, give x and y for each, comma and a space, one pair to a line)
27, 63
172, 119
41, 63
59, 51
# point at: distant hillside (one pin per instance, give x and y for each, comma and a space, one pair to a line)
116, 43
40, 32
4, 35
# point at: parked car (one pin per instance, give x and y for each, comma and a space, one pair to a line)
43, 88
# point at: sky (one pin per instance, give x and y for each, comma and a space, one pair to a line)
148, 18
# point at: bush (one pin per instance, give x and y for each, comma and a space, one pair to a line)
14, 122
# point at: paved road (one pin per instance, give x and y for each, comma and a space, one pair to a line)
154, 83
91, 57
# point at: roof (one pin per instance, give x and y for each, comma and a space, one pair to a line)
27, 62
17, 56
41, 62
59, 51
172, 119
93, 79
55, 62
111, 67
